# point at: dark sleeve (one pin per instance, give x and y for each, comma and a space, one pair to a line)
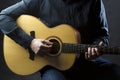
101, 25
8, 18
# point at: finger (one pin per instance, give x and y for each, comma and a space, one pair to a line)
96, 51
89, 52
47, 42
44, 46
93, 51
44, 50
101, 43
86, 55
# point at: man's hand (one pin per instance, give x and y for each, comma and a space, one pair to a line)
93, 53
41, 45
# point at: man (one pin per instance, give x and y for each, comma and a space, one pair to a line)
86, 16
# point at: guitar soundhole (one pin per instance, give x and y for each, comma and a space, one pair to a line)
55, 47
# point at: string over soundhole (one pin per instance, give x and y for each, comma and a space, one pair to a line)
56, 47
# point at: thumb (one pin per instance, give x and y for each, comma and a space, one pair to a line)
101, 43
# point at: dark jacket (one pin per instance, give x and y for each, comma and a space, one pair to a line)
87, 16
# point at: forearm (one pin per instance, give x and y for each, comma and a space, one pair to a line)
9, 26
104, 39
20, 37
101, 24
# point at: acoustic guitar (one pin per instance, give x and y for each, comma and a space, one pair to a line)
66, 45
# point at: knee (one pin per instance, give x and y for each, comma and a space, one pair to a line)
52, 74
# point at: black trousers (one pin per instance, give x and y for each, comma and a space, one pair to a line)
99, 69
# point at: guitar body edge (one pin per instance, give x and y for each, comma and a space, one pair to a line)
17, 58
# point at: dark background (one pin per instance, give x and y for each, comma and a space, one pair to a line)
112, 10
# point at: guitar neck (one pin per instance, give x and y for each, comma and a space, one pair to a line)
81, 48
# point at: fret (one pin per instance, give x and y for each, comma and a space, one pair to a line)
67, 47
81, 48
111, 50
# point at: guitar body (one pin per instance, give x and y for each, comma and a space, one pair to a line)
17, 58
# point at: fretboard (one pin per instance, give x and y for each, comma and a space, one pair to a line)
81, 48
